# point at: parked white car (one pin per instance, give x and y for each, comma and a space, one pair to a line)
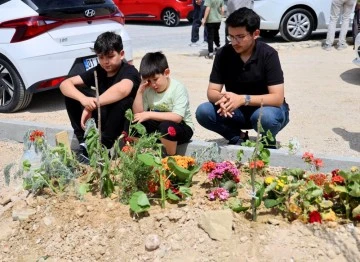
294, 19
43, 42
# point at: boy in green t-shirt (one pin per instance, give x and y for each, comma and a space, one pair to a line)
162, 103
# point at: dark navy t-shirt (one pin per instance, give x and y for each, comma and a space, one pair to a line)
263, 69
126, 71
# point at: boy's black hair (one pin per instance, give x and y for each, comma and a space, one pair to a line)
244, 17
152, 64
108, 42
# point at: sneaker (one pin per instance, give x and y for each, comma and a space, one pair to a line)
209, 56
341, 46
240, 140
326, 47
193, 44
82, 155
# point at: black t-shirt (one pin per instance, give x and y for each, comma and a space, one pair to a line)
263, 69
126, 71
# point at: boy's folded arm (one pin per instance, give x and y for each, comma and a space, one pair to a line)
116, 92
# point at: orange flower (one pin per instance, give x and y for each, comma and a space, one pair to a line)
319, 179
308, 157
208, 166
128, 149
258, 164
152, 186
183, 161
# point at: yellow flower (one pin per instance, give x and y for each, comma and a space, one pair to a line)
354, 169
269, 180
295, 209
329, 216
280, 184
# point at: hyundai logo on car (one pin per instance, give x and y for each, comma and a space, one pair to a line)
89, 12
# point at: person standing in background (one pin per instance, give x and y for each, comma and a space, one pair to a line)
233, 5
214, 10
197, 16
345, 8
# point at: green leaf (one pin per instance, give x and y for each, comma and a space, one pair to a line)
134, 202
240, 155
340, 189
269, 203
316, 193
237, 206
271, 187
143, 200
172, 196
140, 128
83, 189
260, 195
181, 173
354, 189
148, 159
326, 204
129, 115
185, 191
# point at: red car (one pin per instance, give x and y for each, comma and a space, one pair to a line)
168, 11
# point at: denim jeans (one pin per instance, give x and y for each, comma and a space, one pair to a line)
273, 119
347, 7
196, 24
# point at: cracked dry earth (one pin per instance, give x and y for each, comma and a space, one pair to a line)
63, 228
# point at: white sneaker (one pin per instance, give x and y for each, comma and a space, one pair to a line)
326, 47
341, 46
193, 44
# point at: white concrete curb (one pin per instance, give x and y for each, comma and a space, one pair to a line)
15, 130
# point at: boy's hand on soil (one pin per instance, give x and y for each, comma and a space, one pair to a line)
86, 114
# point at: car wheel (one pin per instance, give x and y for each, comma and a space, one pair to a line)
268, 33
170, 17
297, 25
13, 96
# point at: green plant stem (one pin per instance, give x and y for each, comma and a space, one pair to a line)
162, 190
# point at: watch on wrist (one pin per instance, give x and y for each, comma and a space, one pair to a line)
247, 100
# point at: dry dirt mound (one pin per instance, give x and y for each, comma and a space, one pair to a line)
64, 228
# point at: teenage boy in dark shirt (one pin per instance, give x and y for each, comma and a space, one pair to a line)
250, 71
118, 82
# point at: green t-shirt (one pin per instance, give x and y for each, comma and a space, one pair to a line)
215, 10
175, 99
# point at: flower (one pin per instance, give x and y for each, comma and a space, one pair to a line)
220, 193
315, 217
338, 180
257, 164
36, 136
269, 180
183, 161
308, 157
318, 163
319, 179
171, 131
224, 171
208, 166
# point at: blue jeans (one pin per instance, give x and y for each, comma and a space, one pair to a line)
273, 119
198, 14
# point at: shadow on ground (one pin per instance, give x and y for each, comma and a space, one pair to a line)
352, 137
351, 76
48, 101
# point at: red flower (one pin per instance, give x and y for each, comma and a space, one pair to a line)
318, 163
308, 157
314, 217
171, 131
335, 172
337, 180
34, 135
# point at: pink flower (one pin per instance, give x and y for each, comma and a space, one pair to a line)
220, 193
171, 131
308, 157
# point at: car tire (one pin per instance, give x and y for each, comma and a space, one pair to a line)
13, 96
268, 33
170, 17
297, 25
